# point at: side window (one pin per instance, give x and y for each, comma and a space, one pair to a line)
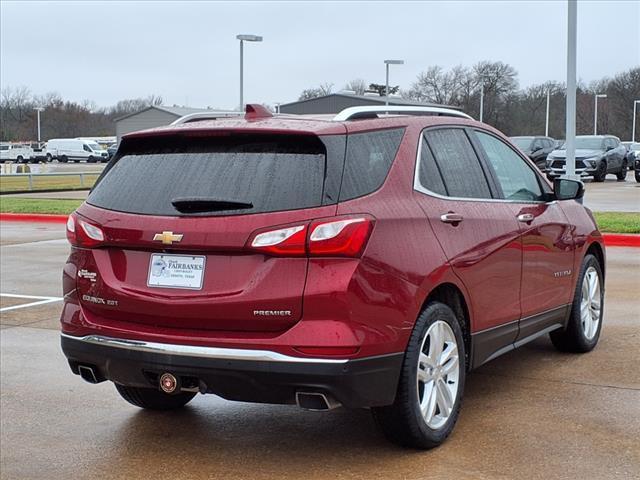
548, 143
369, 158
458, 163
428, 172
537, 144
517, 179
86, 148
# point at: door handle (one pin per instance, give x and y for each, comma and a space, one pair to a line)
453, 218
526, 217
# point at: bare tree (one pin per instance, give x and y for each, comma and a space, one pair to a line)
357, 85
319, 91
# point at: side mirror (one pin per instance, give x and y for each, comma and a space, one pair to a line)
566, 189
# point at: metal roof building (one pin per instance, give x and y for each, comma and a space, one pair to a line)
335, 102
151, 117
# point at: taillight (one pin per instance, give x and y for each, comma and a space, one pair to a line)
289, 241
335, 237
339, 238
81, 233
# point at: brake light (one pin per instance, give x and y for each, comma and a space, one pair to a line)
341, 238
81, 233
337, 237
288, 241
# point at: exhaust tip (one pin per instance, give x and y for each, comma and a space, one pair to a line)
315, 401
87, 374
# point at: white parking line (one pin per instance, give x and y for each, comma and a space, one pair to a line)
40, 301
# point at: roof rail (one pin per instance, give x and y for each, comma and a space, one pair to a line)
368, 112
194, 117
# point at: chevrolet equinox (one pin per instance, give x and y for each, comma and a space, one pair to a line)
370, 260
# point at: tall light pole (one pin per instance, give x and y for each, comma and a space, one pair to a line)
546, 123
482, 79
595, 111
244, 38
386, 89
633, 130
570, 130
38, 109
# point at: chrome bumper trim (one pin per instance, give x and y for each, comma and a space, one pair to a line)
202, 352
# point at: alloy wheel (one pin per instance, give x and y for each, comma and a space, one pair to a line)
438, 374
590, 303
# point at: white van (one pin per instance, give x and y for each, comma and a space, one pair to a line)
75, 150
15, 152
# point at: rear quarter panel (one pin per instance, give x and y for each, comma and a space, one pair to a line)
402, 262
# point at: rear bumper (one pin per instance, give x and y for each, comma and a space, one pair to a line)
237, 374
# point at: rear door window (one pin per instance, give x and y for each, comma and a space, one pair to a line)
428, 171
368, 160
237, 174
458, 163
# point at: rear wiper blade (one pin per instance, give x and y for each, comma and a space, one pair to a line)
205, 204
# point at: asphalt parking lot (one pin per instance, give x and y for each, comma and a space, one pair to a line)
533, 413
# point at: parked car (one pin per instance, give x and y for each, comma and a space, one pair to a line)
271, 260
596, 156
15, 152
39, 152
637, 168
76, 150
536, 148
111, 151
633, 152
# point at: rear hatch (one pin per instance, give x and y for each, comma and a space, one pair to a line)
176, 213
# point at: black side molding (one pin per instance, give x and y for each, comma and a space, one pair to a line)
493, 342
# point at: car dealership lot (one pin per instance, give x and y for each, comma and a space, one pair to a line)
612, 195
533, 413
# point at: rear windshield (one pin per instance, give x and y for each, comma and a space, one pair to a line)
270, 173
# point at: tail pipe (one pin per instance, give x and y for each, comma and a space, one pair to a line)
316, 401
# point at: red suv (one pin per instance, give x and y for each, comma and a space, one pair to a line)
365, 261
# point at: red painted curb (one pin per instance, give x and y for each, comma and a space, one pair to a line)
621, 240
33, 217
610, 239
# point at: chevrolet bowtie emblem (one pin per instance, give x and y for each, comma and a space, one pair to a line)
167, 237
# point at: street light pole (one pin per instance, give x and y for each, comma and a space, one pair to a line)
244, 38
386, 89
546, 123
595, 111
572, 10
481, 98
633, 130
38, 110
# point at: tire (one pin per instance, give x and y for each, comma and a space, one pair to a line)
20, 159
63, 159
637, 175
91, 160
153, 399
583, 331
49, 158
622, 174
601, 172
403, 422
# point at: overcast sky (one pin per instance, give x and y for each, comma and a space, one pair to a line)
187, 52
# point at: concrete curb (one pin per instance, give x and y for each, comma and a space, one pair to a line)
610, 239
33, 217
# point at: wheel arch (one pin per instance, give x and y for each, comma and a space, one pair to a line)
597, 251
452, 296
